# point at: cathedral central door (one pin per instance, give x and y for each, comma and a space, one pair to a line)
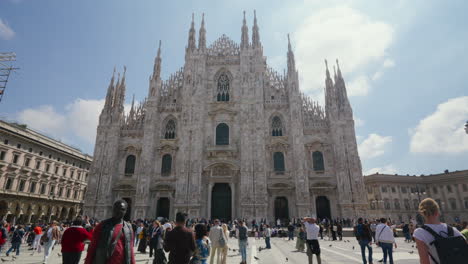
281, 209
221, 201
323, 207
163, 207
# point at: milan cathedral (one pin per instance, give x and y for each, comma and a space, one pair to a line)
227, 137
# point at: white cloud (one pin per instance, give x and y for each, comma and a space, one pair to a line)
373, 146
359, 86
338, 32
388, 169
79, 119
6, 32
389, 63
443, 130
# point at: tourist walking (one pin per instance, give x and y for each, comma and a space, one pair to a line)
3, 235
203, 245
224, 250
301, 239
290, 231
143, 242
438, 243
137, 233
73, 242
313, 246
51, 237
113, 239
267, 235
241, 235
37, 246
16, 239
364, 236
385, 239
217, 241
179, 242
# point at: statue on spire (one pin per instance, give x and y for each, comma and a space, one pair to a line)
157, 64
202, 36
291, 60
245, 34
255, 33
191, 40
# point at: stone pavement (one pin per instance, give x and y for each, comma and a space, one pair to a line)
282, 252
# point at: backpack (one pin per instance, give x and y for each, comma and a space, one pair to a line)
359, 231
451, 249
242, 233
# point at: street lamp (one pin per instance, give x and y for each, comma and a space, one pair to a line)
466, 127
418, 192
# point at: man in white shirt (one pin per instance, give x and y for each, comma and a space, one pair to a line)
313, 246
267, 233
216, 232
385, 239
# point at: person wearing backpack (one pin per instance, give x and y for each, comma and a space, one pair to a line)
16, 239
385, 239
438, 243
364, 236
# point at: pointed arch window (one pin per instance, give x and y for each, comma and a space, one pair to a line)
170, 131
276, 127
166, 166
278, 161
223, 88
222, 134
130, 164
317, 158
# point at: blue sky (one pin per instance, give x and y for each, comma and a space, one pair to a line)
405, 64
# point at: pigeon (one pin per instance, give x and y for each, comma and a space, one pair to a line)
330, 245
287, 259
381, 260
256, 258
411, 252
233, 250
412, 246
353, 247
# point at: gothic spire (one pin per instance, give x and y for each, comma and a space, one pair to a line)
255, 33
120, 99
202, 36
245, 34
191, 40
132, 108
157, 64
338, 67
110, 92
340, 91
291, 60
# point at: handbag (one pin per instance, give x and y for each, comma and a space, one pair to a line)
222, 241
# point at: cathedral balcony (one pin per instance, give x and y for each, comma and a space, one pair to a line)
280, 175
170, 107
222, 151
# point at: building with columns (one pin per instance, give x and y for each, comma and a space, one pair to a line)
398, 196
226, 136
41, 179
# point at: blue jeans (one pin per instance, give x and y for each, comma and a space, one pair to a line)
16, 247
364, 244
267, 242
291, 235
243, 249
387, 249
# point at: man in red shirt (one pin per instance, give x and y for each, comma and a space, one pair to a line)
113, 239
72, 242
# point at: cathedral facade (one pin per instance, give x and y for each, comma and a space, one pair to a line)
227, 137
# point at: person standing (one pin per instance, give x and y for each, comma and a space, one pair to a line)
385, 239
267, 234
52, 236
3, 235
217, 241
179, 242
301, 239
313, 246
202, 242
73, 242
143, 239
339, 231
435, 238
290, 231
112, 240
241, 235
364, 236
224, 250
154, 233
137, 233
16, 239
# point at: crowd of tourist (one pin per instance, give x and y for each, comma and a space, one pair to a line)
199, 241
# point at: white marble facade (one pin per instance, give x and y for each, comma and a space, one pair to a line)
284, 155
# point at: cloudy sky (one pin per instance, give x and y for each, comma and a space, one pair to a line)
405, 64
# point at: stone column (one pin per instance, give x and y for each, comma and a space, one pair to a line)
233, 204
210, 187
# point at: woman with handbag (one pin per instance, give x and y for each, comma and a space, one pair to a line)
202, 245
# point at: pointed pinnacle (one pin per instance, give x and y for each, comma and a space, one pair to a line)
289, 43
159, 49
244, 19
255, 16
326, 64
203, 18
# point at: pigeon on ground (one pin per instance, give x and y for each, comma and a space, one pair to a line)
411, 252
412, 246
256, 258
353, 247
287, 259
330, 245
381, 260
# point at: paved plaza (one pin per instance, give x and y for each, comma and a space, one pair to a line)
282, 252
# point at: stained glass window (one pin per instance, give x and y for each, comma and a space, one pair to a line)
223, 88
276, 127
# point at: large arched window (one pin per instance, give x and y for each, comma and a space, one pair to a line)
396, 204
166, 165
317, 158
170, 131
223, 88
276, 127
222, 134
278, 161
130, 164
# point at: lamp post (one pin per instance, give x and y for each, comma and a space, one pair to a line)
418, 192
